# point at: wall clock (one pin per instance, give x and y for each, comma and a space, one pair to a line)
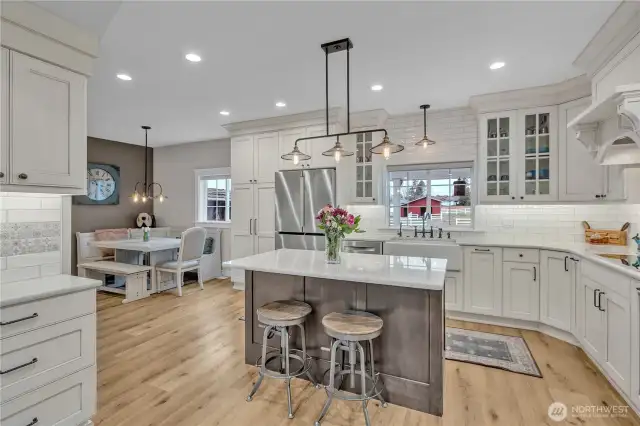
103, 185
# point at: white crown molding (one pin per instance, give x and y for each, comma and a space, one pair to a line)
374, 118
304, 119
617, 31
552, 94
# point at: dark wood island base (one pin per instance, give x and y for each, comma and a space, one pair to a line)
409, 354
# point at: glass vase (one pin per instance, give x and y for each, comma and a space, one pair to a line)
333, 245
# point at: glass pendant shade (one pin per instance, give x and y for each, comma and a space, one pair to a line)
296, 155
146, 191
386, 148
337, 152
425, 142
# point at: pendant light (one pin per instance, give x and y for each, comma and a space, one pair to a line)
386, 148
338, 151
147, 192
425, 142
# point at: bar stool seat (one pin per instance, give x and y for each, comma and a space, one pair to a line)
283, 313
352, 325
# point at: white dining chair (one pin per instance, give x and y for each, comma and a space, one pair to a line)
189, 256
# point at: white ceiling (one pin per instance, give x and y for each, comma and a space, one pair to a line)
257, 53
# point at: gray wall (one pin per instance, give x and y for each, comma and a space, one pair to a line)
130, 159
174, 167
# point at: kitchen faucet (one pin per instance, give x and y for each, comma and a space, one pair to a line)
424, 232
440, 233
431, 233
415, 231
400, 231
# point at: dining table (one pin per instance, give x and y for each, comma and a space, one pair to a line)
150, 253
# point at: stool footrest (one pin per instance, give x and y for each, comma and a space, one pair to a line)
293, 353
373, 392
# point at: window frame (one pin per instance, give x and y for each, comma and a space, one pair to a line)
433, 166
201, 176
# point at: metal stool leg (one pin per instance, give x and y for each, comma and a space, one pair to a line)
373, 374
285, 332
363, 383
265, 337
331, 388
304, 357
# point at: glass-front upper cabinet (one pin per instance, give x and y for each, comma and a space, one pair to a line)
538, 158
364, 188
497, 157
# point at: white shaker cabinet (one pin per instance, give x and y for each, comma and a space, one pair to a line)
557, 289
592, 333
264, 218
521, 290
4, 125
47, 142
242, 159
497, 168
617, 325
242, 242
483, 280
635, 344
453, 291
254, 158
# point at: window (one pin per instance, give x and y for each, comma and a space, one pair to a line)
213, 199
439, 194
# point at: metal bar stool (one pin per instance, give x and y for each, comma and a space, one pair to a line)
347, 330
278, 317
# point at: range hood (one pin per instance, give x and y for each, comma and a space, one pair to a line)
610, 129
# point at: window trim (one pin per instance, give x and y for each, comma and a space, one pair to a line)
199, 175
433, 166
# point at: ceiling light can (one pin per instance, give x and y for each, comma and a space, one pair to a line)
192, 57
496, 65
125, 77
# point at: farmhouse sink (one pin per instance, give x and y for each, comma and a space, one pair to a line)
418, 247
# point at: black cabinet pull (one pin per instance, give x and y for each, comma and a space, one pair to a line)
1, 174
595, 305
513, 198
22, 176
604, 195
19, 319
33, 422
520, 255
597, 195
565, 263
26, 364
535, 273
521, 197
600, 301
482, 249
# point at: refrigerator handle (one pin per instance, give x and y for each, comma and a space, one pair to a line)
302, 192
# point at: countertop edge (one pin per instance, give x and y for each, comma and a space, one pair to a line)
559, 247
79, 284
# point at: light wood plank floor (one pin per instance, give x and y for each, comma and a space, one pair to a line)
170, 361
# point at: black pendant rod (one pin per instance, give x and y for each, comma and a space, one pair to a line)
348, 111
425, 121
326, 87
146, 143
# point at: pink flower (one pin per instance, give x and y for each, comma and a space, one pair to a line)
350, 219
327, 208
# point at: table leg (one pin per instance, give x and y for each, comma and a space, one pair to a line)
162, 281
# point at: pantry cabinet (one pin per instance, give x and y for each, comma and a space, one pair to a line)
252, 219
253, 158
483, 280
557, 289
521, 290
44, 135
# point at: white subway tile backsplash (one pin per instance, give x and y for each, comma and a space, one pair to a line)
51, 203
49, 215
50, 269
25, 260
20, 203
3, 263
12, 275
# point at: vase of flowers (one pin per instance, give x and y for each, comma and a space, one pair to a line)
336, 223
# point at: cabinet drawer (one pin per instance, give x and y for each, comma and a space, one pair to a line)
521, 255
67, 402
46, 354
604, 276
40, 313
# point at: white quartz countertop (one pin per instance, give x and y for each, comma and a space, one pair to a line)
41, 288
584, 250
401, 271
154, 244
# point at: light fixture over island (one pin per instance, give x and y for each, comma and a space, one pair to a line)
406, 292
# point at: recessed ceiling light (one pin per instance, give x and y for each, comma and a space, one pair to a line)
124, 77
193, 57
376, 87
496, 65
224, 112
281, 104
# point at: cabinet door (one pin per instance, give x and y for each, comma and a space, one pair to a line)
4, 125
617, 325
48, 144
614, 184
266, 159
453, 299
580, 177
242, 209
538, 154
264, 217
242, 160
521, 292
287, 139
592, 334
557, 291
318, 146
497, 171
365, 177
483, 280
635, 344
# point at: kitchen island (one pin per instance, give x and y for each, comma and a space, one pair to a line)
406, 292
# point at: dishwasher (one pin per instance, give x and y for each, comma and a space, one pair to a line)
362, 247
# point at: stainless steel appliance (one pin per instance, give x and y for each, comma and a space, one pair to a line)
300, 194
362, 247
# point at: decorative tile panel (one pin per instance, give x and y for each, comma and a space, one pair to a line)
28, 238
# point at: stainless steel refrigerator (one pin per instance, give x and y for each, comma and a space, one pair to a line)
300, 194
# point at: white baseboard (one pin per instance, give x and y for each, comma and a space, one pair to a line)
238, 285
515, 323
